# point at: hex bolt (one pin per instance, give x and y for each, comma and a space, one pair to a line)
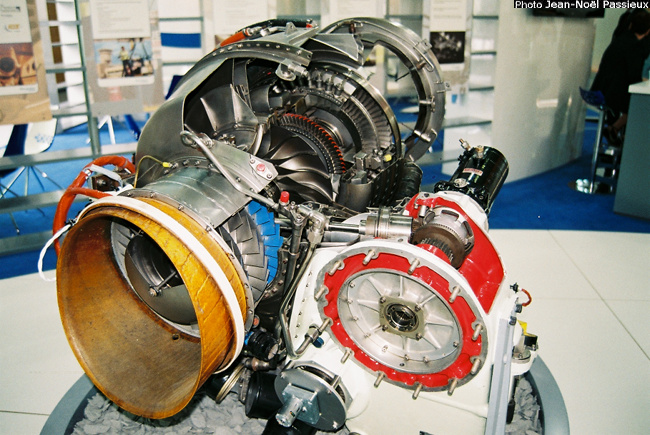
369, 257
335, 382
327, 322
346, 355
452, 386
477, 332
418, 388
336, 266
475, 366
321, 291
414, 266
455, 291
380, 377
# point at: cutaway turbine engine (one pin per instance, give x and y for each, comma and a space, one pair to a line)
274, 225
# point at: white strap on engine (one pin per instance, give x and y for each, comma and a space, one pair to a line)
102, 170
49, 243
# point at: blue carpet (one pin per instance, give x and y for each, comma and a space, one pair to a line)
546, 202
38, 220
543, 202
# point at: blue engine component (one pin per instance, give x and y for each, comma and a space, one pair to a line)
270, 235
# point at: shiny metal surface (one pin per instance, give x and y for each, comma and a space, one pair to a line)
327, 408
274, 222
242, 92
399, 321
425, 73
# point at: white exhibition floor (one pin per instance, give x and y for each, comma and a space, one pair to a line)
591, 306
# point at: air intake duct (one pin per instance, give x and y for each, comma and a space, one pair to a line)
150, 301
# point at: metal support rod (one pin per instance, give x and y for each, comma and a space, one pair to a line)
285, 307
93, 131
294, 249
594, 157
344, 228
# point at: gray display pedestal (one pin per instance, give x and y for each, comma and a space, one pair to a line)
633, 187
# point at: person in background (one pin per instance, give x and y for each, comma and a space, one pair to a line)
621, 66
125, 57
624, 21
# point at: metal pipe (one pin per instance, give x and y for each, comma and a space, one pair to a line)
285, 306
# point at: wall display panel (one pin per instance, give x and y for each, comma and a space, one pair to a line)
334, 10
450, 25
122, 43
230, 17
122, 56
23, 90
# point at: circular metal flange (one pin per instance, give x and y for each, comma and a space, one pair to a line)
404, 313
417, 329
448, 230
331, 395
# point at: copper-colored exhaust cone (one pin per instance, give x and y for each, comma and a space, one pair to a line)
146, 342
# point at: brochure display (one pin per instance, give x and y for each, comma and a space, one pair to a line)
336, 10
23, 92
122, 43
449, 35
122, 52
230, 17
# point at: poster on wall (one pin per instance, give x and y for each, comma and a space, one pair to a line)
17, 72
335, 10
232, 16
122, 45
123, 56
23, 93
449, 35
